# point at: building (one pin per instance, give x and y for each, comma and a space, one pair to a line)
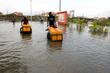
71, 13
1, 13
18, 13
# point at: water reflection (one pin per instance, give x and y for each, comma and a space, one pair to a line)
62, 27
13, 25
53, 46
26, 36
42, 22
77, 27
103, 34
80, 28
99, 32
71, 27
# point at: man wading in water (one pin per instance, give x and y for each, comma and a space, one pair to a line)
51, 20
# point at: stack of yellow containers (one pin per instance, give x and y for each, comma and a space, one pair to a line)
55, 34
26, 28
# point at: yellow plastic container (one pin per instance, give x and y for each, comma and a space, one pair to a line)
55, 34
26, 28
58, 37
55, 30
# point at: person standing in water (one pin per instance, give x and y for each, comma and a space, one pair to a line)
13, 20
51, 20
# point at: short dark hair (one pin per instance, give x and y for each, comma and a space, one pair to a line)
50, 13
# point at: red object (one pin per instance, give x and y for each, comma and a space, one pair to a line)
62, 17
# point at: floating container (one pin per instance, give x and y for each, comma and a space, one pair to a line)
26, 29
55, 34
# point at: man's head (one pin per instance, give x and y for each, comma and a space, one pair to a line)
50, 13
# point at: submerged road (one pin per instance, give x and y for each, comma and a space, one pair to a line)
80, 51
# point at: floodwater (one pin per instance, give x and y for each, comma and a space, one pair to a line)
79, 52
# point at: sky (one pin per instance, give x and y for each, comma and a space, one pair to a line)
88, 8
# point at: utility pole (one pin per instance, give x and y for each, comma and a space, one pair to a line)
59, 5
31, 9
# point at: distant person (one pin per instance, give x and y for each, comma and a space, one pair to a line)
24, 20
41, 20
51, 20
13, 20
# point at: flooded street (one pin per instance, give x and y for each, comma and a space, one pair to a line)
79, 52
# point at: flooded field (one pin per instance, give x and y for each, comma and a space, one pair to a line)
80, 51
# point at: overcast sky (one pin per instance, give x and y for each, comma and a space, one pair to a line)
81, 7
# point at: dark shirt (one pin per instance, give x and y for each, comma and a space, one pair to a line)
51, 20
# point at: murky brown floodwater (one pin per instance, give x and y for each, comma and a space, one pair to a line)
80, 51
